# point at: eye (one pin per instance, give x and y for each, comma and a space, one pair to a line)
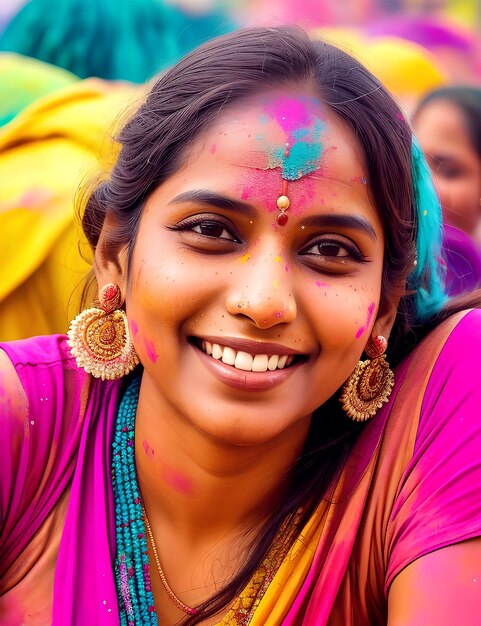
450, 171
207, 232
210, 228
332, 248
329, 248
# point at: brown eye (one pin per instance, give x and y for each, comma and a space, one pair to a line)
329, 248
213, 229
333, 249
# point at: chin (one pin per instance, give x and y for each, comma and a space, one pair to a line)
257, 429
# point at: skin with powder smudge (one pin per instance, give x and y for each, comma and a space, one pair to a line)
370, 312
151, 351
300, 152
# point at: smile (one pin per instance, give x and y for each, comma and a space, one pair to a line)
247, 365
244, 361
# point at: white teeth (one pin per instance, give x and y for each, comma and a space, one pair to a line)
229, 356
260, 363
216, 351
272, 363
243, 361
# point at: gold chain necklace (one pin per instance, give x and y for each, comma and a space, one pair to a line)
177, 601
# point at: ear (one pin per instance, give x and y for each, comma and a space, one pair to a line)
111, 257
385, 319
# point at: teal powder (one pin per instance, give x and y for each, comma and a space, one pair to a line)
304, 158
304, 152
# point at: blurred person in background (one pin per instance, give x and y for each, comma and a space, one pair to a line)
447, 122
53, 132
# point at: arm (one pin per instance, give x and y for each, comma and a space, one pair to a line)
442, 588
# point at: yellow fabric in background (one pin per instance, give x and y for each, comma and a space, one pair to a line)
46, 151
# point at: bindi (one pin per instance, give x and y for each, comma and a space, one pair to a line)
301, 154
283, 203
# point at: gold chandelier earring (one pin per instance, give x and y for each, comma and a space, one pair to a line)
99, 337
370, 384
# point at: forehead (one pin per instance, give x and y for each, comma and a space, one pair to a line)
442, 119
296, 134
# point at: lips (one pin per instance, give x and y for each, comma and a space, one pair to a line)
259, 368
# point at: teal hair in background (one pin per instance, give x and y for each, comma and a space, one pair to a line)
428, 277
112, 39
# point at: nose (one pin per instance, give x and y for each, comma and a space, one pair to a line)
264, 294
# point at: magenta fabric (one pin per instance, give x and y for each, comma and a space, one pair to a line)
439, 497
54, 450
64, 442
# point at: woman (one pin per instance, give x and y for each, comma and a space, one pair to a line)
267, 222
448, 124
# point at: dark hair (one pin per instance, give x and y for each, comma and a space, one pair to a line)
468, 100
182, 104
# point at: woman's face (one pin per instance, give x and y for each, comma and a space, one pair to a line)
456, 167
244, 326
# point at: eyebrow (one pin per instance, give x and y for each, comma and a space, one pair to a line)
356, 222
211, 198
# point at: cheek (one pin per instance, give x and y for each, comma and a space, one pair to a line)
163, 291
344, 313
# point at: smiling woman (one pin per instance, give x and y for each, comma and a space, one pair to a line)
198, 450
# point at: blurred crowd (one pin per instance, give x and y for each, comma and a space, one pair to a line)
68, 83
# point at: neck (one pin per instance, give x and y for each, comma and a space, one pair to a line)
186, 477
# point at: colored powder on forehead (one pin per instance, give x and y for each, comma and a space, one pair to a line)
302, 150
292, 114
301, 159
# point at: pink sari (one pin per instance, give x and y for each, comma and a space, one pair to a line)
411, 486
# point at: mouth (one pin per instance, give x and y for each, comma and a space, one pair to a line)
244, 361
245, 364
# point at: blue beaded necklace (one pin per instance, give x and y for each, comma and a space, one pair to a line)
132, 578
134, 591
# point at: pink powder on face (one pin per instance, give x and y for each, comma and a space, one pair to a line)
179, 482
134, 329
263, 187
359, 179
147, 449
151, 352
370, 313
213, 149
290, 113
247, 192
321, 284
